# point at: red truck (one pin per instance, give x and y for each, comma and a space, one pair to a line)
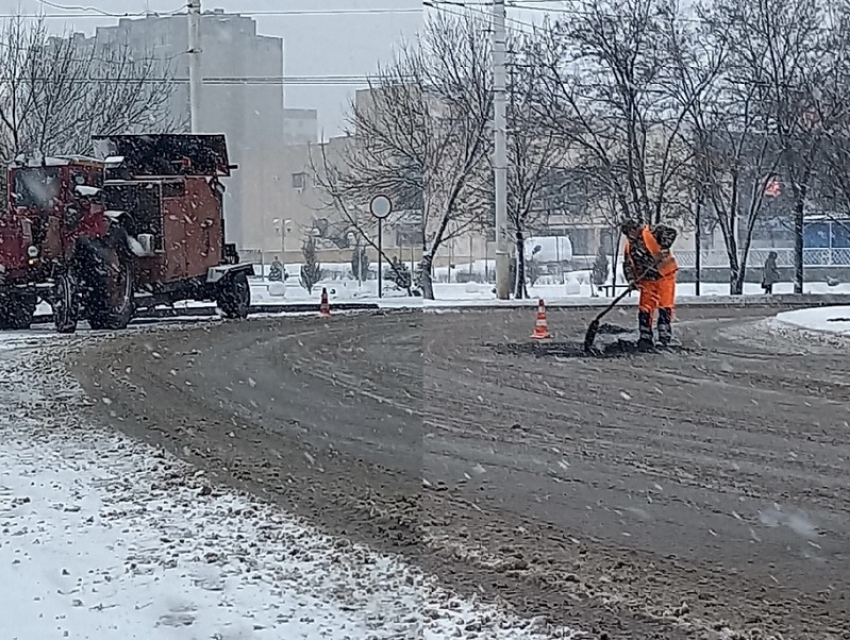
140, 226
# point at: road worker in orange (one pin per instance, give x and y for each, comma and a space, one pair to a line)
650, 266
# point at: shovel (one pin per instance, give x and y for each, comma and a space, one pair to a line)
593, 329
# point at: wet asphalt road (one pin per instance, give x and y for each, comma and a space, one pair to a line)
667, 495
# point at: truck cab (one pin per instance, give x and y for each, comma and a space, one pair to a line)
52, 203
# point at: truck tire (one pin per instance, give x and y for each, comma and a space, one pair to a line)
17, 312
5, 306
111, 293
66, 308
234, 296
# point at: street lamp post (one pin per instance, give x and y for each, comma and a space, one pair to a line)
283, 224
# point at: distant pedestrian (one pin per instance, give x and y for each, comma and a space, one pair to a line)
276, 271
770, 273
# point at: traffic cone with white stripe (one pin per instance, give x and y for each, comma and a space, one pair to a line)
324, 305
541, 326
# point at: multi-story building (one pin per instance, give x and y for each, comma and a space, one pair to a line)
300, 126
250, 114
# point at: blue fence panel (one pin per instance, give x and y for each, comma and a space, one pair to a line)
816, 235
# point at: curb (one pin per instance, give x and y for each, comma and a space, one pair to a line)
209, 312
782, 301
767, 302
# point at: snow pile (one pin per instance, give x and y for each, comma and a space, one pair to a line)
823, 326
834, 320
106, 538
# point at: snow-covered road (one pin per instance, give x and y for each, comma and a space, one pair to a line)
106, 539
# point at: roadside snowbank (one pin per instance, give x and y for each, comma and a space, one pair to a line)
576, 291
476, 294
109, 539
835, 320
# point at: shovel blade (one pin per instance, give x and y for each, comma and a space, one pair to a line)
590, 336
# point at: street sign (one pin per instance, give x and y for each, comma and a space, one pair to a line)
381, 207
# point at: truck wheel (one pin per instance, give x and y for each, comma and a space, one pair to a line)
66, 308
234, 297
111, 299
18, 312
5, 305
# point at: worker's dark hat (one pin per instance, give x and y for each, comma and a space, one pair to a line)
628, 226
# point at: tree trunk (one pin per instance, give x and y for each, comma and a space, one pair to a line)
519, 281
736, 286
798, 245
427, 277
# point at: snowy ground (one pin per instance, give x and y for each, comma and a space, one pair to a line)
104, 538
472, 294
576, 290
824, 322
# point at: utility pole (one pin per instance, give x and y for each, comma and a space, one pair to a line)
194, 20
698, 240
500, 160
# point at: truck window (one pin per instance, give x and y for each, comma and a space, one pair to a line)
36, 187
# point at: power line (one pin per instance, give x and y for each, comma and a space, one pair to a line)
273, 81
483, 15
100, 12
94, 12
534, 5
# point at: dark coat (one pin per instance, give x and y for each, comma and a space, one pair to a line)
770, 274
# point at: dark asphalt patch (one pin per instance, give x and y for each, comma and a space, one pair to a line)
574, 349
606, 328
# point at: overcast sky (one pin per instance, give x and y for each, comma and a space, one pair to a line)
344, 44
331, 44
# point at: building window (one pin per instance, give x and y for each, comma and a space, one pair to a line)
606, 241
299, 180
582, 241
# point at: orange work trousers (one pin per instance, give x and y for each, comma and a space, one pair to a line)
657, 294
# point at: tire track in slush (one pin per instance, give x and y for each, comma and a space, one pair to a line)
644, 515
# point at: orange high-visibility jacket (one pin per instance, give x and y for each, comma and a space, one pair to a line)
648, 259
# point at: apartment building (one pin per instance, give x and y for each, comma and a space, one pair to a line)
251, 115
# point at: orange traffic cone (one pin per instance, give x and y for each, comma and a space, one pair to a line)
541, 326
324, 306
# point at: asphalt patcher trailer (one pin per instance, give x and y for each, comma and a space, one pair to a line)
141, 225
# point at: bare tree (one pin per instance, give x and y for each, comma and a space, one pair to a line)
58, 91
421, 135
344, 197
604, 90
535, 153
734, 157
535, 158
786, 50
833, 179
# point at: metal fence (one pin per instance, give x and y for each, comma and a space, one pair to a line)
756, 258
